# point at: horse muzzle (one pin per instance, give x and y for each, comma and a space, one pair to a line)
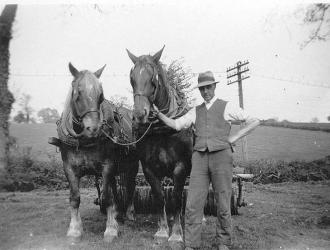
91, 128
141, 116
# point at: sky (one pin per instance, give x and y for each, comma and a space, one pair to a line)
286, 82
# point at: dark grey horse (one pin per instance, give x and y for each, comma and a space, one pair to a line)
162, 152
85, 150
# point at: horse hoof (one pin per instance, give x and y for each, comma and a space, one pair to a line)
175, 238
74, 234
175, 245
110, 235
161, 236
74, 239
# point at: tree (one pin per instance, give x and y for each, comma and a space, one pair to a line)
20, 117
24, 103
6, 98
49, 115
318, 16
315, 120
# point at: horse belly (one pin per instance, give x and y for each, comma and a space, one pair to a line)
85, 161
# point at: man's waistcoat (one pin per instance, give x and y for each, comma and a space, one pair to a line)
212, 130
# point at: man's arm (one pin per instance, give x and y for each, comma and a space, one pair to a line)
233, 112
180, 123
244, 131
168, 121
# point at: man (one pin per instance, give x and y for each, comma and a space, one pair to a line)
211, 160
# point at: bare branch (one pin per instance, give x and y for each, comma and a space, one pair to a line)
317, 14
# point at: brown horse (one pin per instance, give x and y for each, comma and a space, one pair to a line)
163, 151
85, 150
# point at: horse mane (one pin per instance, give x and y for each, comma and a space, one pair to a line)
162, 73
178, 104
65, 125
67, 105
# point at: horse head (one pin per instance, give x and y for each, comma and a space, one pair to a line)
144, 81
86, 98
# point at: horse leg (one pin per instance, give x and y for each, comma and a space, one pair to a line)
113, 184
132, 172
179, 176
75, 228
111, 231
163, 230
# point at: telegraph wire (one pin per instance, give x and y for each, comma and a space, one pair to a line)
194, 74
112, 75
322, 85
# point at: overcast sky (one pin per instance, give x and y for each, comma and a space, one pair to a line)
285, 81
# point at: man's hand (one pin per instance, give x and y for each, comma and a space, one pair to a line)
156, 110
168, 121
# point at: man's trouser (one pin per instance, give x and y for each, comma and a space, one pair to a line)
216, 167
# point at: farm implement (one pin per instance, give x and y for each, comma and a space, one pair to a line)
144, 202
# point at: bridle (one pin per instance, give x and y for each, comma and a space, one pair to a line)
80, 115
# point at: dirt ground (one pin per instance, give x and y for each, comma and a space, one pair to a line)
278, 216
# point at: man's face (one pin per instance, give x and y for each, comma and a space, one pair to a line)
207, 92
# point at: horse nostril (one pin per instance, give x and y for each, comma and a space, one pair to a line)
92, 129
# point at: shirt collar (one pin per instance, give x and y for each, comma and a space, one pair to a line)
210, 103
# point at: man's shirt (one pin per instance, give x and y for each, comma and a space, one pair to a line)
232, 112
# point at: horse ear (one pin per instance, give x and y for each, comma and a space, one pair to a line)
73, 70
133, 57
98, 73
157, 56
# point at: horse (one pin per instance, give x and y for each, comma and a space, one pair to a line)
85, 150
162, 151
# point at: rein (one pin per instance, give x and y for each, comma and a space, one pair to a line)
129, 143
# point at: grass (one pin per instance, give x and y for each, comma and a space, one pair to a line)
278, 216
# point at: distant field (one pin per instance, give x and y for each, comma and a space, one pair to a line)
325, 126
265, 143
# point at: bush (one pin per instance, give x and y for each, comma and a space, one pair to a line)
271, 171
25, 173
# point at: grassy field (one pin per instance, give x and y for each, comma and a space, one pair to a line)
265, 142
288, 216
325, 126
291, 215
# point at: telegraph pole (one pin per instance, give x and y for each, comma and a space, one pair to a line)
238, 70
